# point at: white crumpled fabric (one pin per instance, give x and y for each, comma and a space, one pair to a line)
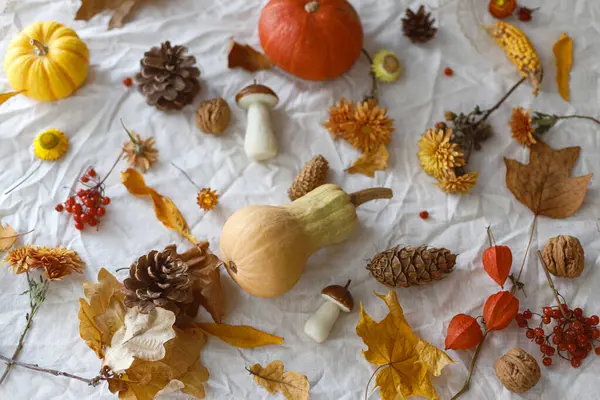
336, 369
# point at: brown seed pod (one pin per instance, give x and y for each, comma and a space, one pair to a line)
564, 256
517, 370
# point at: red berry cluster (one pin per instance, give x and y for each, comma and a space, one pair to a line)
87, 206
573, 336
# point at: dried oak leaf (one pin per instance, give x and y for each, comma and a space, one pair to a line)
122, 10
244, 56
368, 163
103, 313
8, 237
166, 211
179, 369
292, 385
245, 337
544, 185
406, 359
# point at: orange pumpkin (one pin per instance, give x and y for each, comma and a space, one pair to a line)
502, 8
315, 40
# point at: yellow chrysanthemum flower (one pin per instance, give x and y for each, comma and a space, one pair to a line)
50, 145
438, 156
452, 184
521, 127
386, 66
207, 199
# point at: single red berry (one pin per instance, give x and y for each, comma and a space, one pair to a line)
81, 193
79, 226
77, 209
550, 351
106, 201
547, 311
539, 332
578, 312
572, 347
527, 314
100, 211
448, 71
91, 211
88, 202
530, 333
77, 217
558, 330
128, 82
556, 339
85, 179
595, 320
539, 340
59, 207
576, 362
546, 319
547, 361
85, 218
556, 314
93, 221
596, 334
424, 214
70, 201
69, 209
563, 347
91, 172
522, 323
597, 351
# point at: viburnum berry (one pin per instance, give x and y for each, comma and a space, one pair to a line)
106, 201
547, 311
576, 362
530, 333
128, 82
91, 172
79, 226
572, 347
597, 350
424, 214
539, 340
578, 312
59, 207
448, 71
546, 320
527, 314
595, 320
547, 361
539, 332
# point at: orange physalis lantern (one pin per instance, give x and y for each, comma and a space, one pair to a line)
463, 333
499, 310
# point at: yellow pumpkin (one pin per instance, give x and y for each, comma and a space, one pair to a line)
265, 248
47, 61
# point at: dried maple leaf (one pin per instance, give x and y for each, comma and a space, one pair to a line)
291, 384
242, 336
8, 237
406, 359
122, 10
544, 185
166, 211
179, 369
368, 163
244, 56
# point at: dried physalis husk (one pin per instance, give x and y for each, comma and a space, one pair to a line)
213, 116
517, 370
564, 256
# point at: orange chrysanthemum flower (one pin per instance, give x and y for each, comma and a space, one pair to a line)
521, 127
339, 114
208, 199
57, 262
17, 259
450, 183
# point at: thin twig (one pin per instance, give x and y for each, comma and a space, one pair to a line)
375, 87
373, 376
578, 116
95, 381
274, 380
17, 235
110, 170
499, 103
24, 179
526, 253
551, 283
467, 384
187, 176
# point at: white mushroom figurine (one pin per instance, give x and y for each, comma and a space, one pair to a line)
337, 298
260, 143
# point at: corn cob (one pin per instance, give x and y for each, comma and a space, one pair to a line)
520, 51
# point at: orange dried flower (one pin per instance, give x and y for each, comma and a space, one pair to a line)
521, 127
17, 259
208, 199
339, 114
57, 262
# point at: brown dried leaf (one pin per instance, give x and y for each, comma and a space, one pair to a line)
122, 10
8, 237
244, 56
544, 185
242, 336
207, 284
291, 384
368, 163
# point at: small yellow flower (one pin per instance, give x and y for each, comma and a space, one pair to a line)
208, 199
438, 156
386, 66
521, 127
50, 145
450, 183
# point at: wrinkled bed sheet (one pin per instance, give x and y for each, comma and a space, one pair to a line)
336, 369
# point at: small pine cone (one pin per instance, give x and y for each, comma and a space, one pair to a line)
411, 266
311, 176
418, 27
159, 279
168, 77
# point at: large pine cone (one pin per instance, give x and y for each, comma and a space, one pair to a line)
411, 266
164, 279
169, 77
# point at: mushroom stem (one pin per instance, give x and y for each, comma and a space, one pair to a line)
260, 143
319, 325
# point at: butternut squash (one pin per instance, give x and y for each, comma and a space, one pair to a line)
265, 248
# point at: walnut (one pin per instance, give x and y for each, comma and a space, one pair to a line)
213, 116
517, 370
563, 256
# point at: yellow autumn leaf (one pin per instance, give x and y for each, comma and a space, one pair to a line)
166, 211
245, 337
407, 360
104, 312
563, 52
368, 163
291, 384
4, 97
8, 237
179, 368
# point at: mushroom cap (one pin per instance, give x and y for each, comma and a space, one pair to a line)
340, 296
256, 93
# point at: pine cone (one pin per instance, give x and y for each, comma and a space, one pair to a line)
311, 176
159, 279
418, 27
168, 78
411, 266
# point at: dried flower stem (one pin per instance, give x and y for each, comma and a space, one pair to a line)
526, 253
489, 112
375, 86
9, 191
95, 381
551, 283
467, 384
187, 176
37, 295
577, 116
110, 170
374, 373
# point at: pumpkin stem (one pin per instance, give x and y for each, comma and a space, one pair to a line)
40, 48
311, 7
363, 196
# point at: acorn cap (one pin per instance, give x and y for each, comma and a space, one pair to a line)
340, 296
256, 93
